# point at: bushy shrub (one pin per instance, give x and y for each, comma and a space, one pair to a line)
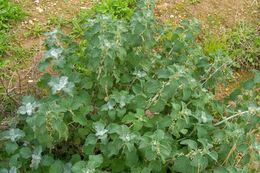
134, 96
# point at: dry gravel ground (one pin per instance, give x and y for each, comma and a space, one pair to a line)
222, 12
40, 13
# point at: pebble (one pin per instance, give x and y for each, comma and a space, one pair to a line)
83, 8
31, 22
40, 10
36, 2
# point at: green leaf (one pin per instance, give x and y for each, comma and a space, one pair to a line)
163, 73
11, 147
14, 161
79, 167
221, 170
36, 157
80, 116
199, 161
28, 107
114, 147
61, 84
186, 94
117, 165
13, 170
95, 161
101, 132
191, 143
47, 160
182, 164
3, 170
152, 86
61, 128
213, 155
12, 134
67, 168
25, 152
56, 167
90, 143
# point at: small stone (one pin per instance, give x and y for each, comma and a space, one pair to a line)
40, 10
31, 22
171, 16
83, 8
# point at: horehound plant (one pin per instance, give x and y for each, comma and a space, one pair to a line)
133, 96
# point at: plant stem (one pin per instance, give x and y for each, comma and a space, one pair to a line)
233, 116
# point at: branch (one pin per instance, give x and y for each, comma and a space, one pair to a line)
233, 116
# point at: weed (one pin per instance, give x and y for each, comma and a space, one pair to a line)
194, 1
36, 30
9, 12
244, 45
116, 8
3, 43
215, 20
213, 43
57, 21
241, 44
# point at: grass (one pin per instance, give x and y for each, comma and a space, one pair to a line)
116, 8
9, 13
57, 21
36, 30
241, 43
13, 56
244, 45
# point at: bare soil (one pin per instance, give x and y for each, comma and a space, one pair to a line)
210, 12
40, 12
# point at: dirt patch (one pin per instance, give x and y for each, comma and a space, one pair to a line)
225, 90
40, 15
210, 12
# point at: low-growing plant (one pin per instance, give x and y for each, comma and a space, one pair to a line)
213, 43
57, 21
116, 8
9, 12
135, 96
36, 30
4, 38
244, 46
